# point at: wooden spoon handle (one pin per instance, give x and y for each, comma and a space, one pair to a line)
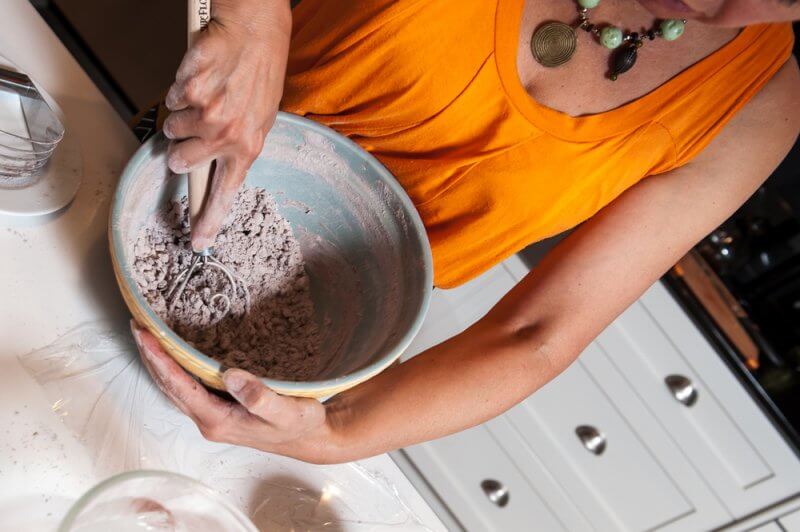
198, 17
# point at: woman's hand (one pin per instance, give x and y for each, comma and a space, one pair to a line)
225, 98
260, 418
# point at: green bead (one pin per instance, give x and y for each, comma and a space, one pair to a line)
671, 29
589, 4
611, 37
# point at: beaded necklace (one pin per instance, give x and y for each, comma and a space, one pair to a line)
553, 43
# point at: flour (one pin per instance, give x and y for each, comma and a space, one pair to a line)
278, 337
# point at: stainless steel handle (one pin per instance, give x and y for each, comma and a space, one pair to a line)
681, 389
16, 79
592, 439
496, 492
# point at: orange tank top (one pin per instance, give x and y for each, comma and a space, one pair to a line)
431, 89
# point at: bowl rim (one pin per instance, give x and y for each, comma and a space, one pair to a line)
88, 497
144, 152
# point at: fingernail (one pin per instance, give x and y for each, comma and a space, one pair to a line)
178, 165
169, 101
200, 243
234, 381
136, 330
200, 237
167, 131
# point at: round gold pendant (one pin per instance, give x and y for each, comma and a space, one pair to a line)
553, 44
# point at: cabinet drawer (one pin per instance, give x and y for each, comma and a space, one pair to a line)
772, 526
708, 512
790, 522
613, 478
665, 465
700, 404
481, 485
641, 349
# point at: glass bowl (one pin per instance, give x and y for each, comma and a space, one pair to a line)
153, 501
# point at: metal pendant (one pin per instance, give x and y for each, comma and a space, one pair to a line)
553, 44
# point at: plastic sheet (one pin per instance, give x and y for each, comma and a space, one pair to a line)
104, 395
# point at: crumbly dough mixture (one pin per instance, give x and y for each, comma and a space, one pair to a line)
278, 337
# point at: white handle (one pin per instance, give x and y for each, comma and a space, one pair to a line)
198, 17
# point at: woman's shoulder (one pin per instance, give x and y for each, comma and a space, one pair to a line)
754, 142
755, 68
773, 112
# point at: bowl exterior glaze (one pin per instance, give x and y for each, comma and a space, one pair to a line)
396, 274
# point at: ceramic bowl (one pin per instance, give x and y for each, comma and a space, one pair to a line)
367, 255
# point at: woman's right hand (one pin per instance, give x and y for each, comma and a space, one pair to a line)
225, 98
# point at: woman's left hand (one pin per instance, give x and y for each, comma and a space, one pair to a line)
260, 418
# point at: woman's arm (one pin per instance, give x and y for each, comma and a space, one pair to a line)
225, 98
533, 333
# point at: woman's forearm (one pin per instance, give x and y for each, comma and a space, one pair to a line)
455, 385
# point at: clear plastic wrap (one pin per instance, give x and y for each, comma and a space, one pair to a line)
104, 395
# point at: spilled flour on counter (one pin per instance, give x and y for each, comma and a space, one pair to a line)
278, 338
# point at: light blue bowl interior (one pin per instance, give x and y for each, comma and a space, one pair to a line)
366, 251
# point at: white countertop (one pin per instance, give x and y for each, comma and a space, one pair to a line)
55, 274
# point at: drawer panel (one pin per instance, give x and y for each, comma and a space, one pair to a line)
621, 487
562, 503
708, 512
725, 435
772, 526
790, 522
466, 468
638, 345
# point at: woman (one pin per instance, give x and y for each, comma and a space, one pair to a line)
497, 150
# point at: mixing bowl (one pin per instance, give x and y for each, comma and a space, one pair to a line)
153, 500
367, 255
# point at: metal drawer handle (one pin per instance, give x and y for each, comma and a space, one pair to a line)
681, 389
592, 439
495, 492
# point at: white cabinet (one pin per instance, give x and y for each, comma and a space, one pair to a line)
786, 522
482, 485
783, 517
602, 462
790, 522
772, 526
700, 423
648, 430
724, 433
